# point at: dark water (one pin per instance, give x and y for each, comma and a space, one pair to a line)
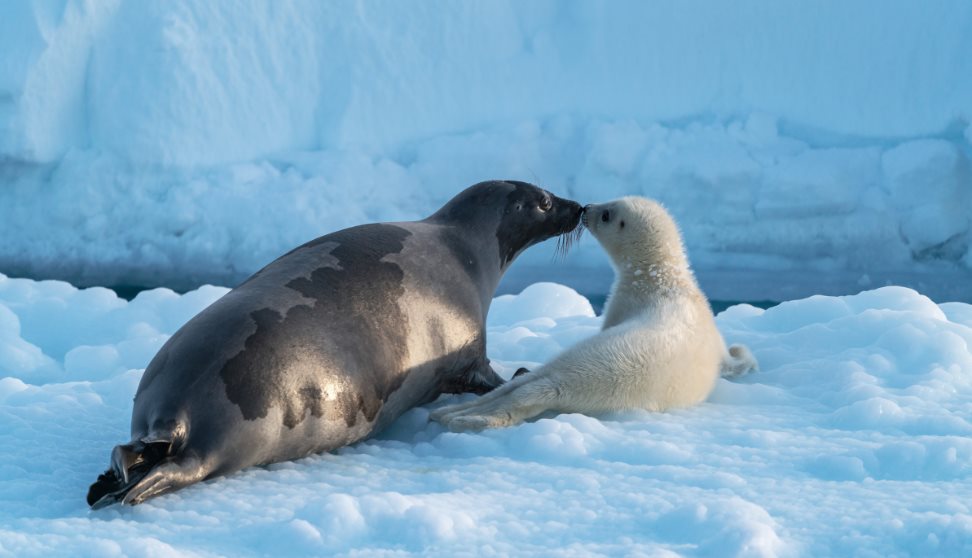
128, 292
598, 300
720, 305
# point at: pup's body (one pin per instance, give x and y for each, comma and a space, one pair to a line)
659, 347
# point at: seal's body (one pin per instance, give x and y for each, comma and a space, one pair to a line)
330, 343
659, 347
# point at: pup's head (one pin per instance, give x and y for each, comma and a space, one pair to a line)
634, 229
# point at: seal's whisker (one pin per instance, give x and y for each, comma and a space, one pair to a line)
566, 241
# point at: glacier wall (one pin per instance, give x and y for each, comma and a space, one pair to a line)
807, 143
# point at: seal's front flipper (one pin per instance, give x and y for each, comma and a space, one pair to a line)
478, 379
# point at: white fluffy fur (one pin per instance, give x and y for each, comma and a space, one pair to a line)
659, 347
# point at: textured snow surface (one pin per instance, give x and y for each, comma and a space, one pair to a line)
855, 439
181, 142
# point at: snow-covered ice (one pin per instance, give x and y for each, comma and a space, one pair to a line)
854, 439
181, 142
804, 148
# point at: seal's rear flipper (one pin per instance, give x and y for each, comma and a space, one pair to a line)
104, 490
133, 462
171, 474
129, 464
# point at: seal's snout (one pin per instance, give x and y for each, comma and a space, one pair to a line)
573, 212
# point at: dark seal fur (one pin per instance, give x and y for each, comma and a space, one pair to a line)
330, 343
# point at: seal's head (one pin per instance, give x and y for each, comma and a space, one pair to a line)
635, 230
517, 214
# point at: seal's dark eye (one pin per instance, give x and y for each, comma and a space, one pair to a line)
622, 224
545, 204
606, 216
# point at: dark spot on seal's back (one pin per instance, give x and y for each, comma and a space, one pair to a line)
351, 321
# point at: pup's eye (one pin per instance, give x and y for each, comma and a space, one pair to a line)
622, 224
606, 216
545, 204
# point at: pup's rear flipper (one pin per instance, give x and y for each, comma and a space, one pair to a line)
740, 361
142, 469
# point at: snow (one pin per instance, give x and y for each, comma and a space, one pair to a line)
854, 439
804, 147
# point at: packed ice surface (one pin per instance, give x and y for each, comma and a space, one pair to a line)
179, 142
803, 147
854, 439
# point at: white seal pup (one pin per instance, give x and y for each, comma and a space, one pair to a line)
658, 349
